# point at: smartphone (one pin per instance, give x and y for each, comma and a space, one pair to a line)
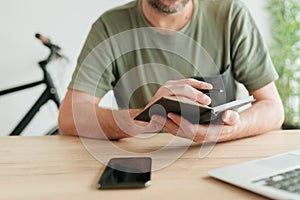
127, 172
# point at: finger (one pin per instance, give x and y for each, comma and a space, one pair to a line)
168, 125
172, 128
199, 84
147, 127
154, 127
158, 120
175, 118
192, 82
196, 132
187, 91
230, 117
188, 130
202, 98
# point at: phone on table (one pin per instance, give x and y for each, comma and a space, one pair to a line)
127, 172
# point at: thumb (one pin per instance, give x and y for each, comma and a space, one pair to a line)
230, 117
156, 124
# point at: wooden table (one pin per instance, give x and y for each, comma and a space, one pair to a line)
60, 167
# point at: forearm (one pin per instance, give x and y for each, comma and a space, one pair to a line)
80, 115
263, 116
87, 120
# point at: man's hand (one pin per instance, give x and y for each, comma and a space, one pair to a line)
176, 125
264, 115
200, 133
184, 88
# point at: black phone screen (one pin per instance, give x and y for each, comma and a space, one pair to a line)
128, 172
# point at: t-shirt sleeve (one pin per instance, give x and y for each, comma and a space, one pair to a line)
94, 71
251, 62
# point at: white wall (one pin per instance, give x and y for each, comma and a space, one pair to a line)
67, 23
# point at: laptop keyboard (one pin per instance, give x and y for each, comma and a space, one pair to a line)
288, 181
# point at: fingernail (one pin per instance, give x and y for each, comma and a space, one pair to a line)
207, 99
227, 116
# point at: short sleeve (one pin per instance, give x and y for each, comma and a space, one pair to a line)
251, 62
94, 70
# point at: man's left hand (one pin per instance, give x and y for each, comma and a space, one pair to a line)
201, 133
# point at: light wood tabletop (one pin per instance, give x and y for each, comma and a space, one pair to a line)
61, 167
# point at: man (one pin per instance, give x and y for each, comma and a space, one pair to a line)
229, 37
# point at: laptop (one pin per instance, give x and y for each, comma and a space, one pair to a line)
276, 177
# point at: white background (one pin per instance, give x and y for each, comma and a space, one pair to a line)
65, 22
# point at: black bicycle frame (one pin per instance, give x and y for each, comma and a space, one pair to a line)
49, 93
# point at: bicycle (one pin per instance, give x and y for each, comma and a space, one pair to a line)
50, 92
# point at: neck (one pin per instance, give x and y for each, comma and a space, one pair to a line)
172, 22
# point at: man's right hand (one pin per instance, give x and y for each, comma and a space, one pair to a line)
184, 88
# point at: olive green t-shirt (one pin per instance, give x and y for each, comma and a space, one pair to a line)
125, 54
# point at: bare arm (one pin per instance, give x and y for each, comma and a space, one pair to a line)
79, 115
266, 114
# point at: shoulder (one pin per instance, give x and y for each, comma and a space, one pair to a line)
223, 5
235, 3
120, 17
224, 12
120, 11
235, 12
